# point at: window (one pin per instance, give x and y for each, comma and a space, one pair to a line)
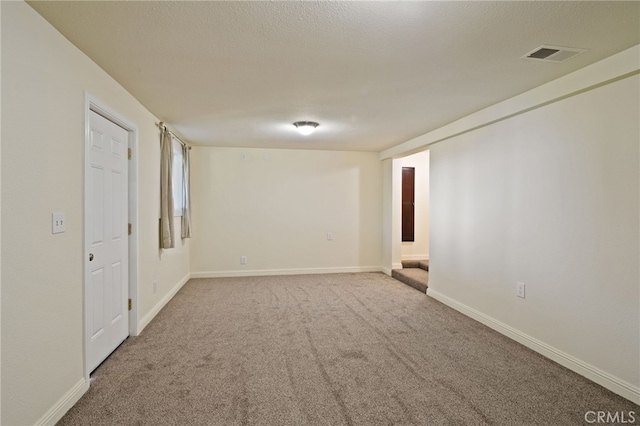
176, 179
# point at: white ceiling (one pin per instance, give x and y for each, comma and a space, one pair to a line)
373, 74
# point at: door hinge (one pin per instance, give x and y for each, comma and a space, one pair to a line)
129, 153
129, 229
129, 304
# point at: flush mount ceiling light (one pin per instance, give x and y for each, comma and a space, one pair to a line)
306, 127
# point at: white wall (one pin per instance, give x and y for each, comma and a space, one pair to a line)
0, 231
276, 207
391, 256
44, 79
419, 248
550, 198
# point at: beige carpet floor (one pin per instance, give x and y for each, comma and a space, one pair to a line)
343, 349
415, 277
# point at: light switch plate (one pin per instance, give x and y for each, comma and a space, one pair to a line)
58, 223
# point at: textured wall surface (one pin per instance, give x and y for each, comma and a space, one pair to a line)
276, 207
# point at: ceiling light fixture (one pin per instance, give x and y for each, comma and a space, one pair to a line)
306, 127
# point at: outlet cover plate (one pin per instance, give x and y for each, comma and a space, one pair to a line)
58, 223
520, 290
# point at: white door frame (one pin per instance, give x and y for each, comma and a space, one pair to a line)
94, 104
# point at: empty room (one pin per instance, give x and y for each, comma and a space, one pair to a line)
319, 213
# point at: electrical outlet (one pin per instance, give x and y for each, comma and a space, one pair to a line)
329, 236
243, 260
243, 156
520, 290
58, 223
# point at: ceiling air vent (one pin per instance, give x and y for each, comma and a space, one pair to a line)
553, 53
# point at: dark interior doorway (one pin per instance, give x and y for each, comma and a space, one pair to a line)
408, 203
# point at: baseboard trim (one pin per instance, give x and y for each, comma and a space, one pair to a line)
55, 413
396, 265
158, 307
300, 271
386, 271
415, 257
604, 379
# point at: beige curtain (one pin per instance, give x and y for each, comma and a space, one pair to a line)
166, 191
186, 192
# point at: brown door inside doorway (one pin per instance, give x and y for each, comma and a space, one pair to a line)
408, 200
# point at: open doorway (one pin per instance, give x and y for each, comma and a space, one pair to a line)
413, 212
409, 224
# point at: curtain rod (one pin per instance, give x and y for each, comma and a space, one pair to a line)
163, 127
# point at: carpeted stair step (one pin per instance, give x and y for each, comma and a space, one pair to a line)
422, 264
414, 277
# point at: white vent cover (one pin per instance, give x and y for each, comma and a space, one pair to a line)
553, 53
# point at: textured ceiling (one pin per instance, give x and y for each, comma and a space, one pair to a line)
373, 74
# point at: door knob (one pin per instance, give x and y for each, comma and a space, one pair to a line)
90, 257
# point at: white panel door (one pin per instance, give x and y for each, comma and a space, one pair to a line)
107, 255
